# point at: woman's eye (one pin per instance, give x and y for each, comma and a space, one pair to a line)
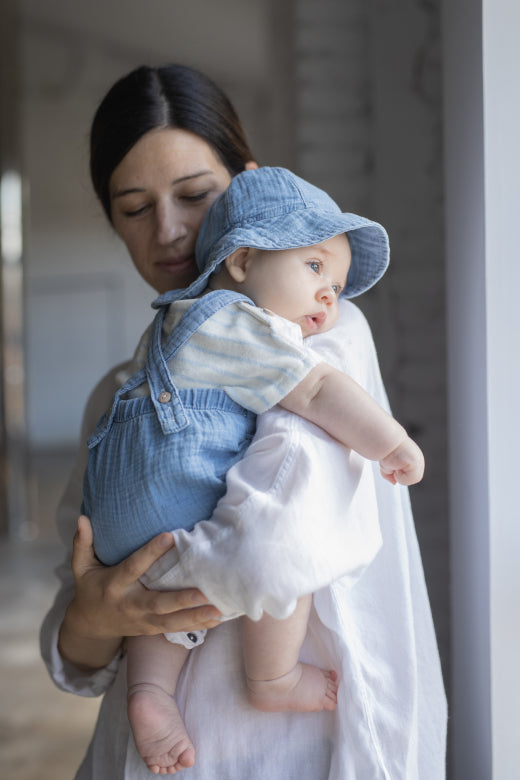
195, 197
135, 212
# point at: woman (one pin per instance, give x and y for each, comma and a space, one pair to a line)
165, 143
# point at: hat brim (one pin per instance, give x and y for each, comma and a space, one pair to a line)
368, 243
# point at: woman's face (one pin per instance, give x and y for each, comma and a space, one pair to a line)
159, 194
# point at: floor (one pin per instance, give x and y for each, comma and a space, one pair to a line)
43, 731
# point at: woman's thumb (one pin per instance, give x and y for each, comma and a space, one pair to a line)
83, 550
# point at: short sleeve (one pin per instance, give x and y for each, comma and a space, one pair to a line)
254, 355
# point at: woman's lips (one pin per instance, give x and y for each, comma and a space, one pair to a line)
175, 264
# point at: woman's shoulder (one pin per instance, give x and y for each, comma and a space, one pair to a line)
101, 396
351, 316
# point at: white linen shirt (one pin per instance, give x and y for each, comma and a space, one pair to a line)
319, 511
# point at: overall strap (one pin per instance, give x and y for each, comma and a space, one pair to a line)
164, 394
200, 311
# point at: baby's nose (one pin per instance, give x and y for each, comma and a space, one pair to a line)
325, 294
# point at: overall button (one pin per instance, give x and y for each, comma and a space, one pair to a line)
165, 397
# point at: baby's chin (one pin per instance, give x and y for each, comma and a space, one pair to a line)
317, 332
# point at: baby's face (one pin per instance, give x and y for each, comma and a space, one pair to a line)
301, 284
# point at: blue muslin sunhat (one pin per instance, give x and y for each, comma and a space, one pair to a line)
273, 209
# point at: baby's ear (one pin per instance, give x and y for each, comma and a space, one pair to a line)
237, 263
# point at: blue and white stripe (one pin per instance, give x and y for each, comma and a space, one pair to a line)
255, 356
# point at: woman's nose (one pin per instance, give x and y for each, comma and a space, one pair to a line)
169, 225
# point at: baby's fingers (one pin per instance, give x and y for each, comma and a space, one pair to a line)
389, 476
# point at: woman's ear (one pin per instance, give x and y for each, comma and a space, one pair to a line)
237, 263
251, 165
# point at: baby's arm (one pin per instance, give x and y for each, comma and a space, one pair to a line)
333, 401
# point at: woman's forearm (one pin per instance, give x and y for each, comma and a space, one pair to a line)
82, 650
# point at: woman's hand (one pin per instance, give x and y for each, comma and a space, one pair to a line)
110, 603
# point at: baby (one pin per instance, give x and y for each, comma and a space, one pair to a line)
275, 254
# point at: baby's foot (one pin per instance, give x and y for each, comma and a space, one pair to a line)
304, 689
159, 733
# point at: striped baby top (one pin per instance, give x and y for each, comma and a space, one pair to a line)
254, 355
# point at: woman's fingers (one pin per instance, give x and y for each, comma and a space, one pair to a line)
185, 619
136, 564
161, 611
112, 601
165, 602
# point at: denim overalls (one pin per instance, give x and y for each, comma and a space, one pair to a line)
159, 462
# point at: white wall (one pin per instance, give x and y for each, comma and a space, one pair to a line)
482, 173
501, 22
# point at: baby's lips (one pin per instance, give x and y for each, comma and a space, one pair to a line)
316, 320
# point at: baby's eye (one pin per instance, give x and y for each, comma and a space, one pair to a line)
315, 266
336, 289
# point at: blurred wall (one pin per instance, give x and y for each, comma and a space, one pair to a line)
84, 301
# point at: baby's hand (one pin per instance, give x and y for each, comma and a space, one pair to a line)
404, 465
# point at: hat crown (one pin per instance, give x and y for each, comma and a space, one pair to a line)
254, 197
274, 209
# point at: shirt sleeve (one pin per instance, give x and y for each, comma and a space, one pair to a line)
299, 512
252, 354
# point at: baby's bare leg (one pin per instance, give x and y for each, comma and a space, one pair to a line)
276, 679
154, 665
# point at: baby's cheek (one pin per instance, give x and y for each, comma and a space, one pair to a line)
331, 320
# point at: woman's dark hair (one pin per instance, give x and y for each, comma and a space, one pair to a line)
169, 96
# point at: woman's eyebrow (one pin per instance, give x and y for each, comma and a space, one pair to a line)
129, 190
192, 176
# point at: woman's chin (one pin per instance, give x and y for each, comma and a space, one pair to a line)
173, 277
